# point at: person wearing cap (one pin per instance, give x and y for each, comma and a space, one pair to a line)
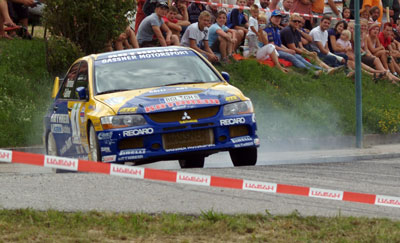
274, 37
150, 5
196, 37
153, 25
320, 39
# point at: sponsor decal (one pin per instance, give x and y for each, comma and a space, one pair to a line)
231, 98
188, 121
241, 139
66, 146
114, 100
157, 90
232, 121
138, 132
128, 110
67, 93
240, 145
109, 158
91, 107
324, 193
58, 128
387, 201
190, 148
132, 157
186, 116
60, 163
180, 98
59, 118
132, 152
140, 55
5, 156
105, 149
181, 103
75, 124
193, 179
70, 84
82, 115
104, 135
110, 142
127, 171
259, 186
253, 117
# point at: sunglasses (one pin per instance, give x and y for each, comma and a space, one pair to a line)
296, 21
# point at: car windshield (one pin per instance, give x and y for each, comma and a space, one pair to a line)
134, 71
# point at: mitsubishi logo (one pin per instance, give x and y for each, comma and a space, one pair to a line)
185, 116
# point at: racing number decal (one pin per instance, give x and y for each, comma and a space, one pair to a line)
75, 126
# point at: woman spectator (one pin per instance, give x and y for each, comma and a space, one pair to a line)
333, 35
346, 13
375, 46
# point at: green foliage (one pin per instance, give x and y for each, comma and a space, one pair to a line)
25, 89
90, 24
60, 54
301, 105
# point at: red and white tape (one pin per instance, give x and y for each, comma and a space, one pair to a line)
8, 156
230, 6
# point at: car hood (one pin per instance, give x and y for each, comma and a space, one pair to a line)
169, 98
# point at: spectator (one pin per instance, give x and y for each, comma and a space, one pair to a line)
368, 4
388, 4
267, 50
173, 23
320, 38
396, 10
5, 20
385, 38
238, 22
126, 40
375, 14
286, 6
346, 14
364, 14
153, 25
213, 10
150, 5
333, 9
196, 37
252, 34
18, 11
221, 38
273, 37
247, 12
343, 43
291, 38
317, 8
303, 7
182, 10
333, 35
140, 15
194, 11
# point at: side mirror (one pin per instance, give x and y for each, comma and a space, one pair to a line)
226, 76
56, 87
81, 91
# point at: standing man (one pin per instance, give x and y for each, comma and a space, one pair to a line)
320, 38
153, 25
286, 6
196, 37
333, 8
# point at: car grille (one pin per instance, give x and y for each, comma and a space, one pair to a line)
188, 138
176, 116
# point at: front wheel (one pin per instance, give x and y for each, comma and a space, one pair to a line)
243, 156
94, 148
192, 163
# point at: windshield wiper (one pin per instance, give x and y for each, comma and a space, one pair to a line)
178, 83
112, 91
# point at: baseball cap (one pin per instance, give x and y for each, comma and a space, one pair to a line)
276, 12
162, 5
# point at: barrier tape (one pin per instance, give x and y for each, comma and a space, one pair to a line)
136, 172
230, 6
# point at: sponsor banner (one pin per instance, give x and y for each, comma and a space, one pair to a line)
325, 193
138, 132
232, 121
60, 163
180, 104
140, 55
127, 171
259, 186
5, 156
180, 98
387, 201
190, 148
193, 179
109, 158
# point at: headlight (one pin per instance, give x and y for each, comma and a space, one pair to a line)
238, 108
109, 122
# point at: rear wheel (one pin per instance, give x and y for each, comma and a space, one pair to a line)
192, 162
94, 149
243, 156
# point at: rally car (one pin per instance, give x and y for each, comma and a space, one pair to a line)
149, 104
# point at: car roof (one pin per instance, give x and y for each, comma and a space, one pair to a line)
139, 51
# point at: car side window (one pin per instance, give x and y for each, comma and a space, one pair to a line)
83, 76
67, 91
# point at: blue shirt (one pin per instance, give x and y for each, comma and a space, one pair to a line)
212, 33
274, 34
235, 18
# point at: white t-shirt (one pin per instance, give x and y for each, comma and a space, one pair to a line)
252, 22
193, 32
318, 35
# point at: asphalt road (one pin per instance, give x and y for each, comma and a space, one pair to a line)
24, 186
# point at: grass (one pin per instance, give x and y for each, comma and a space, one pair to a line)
48, 226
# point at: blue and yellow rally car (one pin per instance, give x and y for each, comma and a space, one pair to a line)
149, 104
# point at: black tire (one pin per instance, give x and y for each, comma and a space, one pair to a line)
94, 148
192, 163
244, 156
